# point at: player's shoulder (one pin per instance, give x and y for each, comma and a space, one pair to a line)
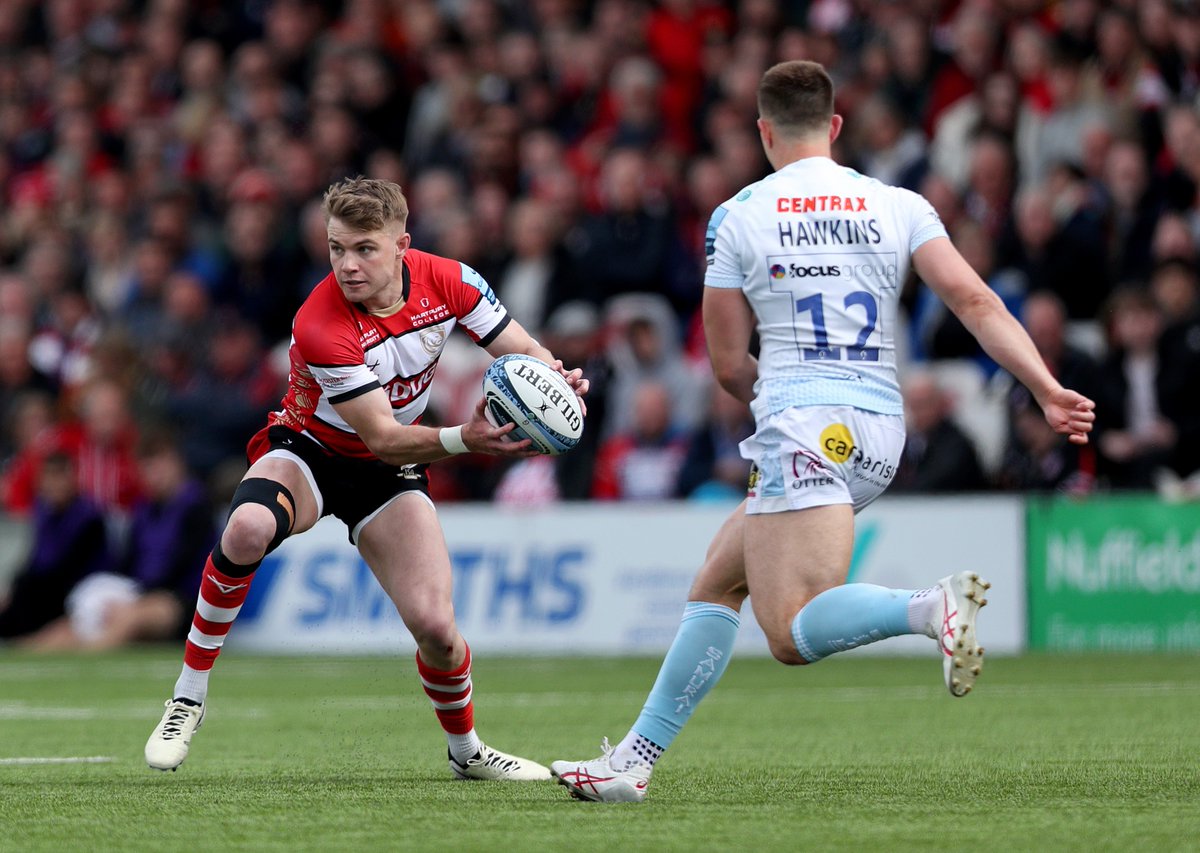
901, 195
426, 266
323, 308
746, 200
325, 300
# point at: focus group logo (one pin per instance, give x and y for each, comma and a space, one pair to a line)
779, 271
821, 267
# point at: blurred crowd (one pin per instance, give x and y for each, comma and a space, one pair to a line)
162, 164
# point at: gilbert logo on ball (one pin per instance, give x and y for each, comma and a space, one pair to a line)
526, 391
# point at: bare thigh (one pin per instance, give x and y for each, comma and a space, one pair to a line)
790, 558
406, 550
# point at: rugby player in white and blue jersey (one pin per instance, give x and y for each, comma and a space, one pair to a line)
813, 257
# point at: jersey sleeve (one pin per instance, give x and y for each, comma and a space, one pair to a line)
724, 266
475, 305
335, 358
925, 224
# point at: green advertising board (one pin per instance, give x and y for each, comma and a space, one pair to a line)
1118, 573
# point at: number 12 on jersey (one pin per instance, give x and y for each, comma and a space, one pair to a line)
822, 350
834, 301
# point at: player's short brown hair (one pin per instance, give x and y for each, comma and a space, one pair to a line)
365, 204
796, 97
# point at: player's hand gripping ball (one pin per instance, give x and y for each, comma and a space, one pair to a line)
526, 391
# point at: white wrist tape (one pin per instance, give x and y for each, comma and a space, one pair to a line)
452, 440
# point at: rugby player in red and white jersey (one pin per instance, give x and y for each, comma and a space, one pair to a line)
347, 441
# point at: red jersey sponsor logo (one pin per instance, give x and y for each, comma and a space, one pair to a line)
369, 336
401, 391
821, 204
430, 315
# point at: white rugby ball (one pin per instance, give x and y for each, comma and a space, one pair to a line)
526, 391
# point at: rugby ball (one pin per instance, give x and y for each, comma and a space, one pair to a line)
526, 391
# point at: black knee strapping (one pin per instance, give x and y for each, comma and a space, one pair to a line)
273, 496
227, 567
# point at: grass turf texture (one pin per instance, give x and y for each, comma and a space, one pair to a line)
1050, 753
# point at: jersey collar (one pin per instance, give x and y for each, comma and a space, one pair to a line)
406, 289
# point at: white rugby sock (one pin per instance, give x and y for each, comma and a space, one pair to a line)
635, 749
923, 610
463, 747
192, 684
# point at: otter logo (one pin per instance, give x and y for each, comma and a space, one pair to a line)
814, 474
837, 443
813, 466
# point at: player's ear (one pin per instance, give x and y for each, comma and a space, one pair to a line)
835, 127
402, 243
766, 133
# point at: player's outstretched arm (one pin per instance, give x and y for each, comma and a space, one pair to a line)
1003, 338
515, 339
370, 416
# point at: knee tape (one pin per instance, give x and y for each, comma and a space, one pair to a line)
276, 498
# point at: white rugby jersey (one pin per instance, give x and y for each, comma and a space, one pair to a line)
339, 350
821, 253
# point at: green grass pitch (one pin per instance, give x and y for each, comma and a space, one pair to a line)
1080, 753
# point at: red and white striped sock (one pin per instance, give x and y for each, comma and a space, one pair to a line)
221, 597
450, 692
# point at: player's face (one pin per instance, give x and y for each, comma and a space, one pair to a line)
367, 264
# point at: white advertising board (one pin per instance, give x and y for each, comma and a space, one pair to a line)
610, 579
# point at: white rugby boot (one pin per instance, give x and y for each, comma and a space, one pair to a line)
168, 743
599, 782
962, 656
494, 765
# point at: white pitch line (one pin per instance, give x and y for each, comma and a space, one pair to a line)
70, 759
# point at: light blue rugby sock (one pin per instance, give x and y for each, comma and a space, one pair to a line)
849, 616
693, 665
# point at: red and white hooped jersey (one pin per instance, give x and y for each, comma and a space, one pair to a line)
340, 351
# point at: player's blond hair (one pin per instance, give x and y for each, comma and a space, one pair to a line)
796, 97
365, 204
